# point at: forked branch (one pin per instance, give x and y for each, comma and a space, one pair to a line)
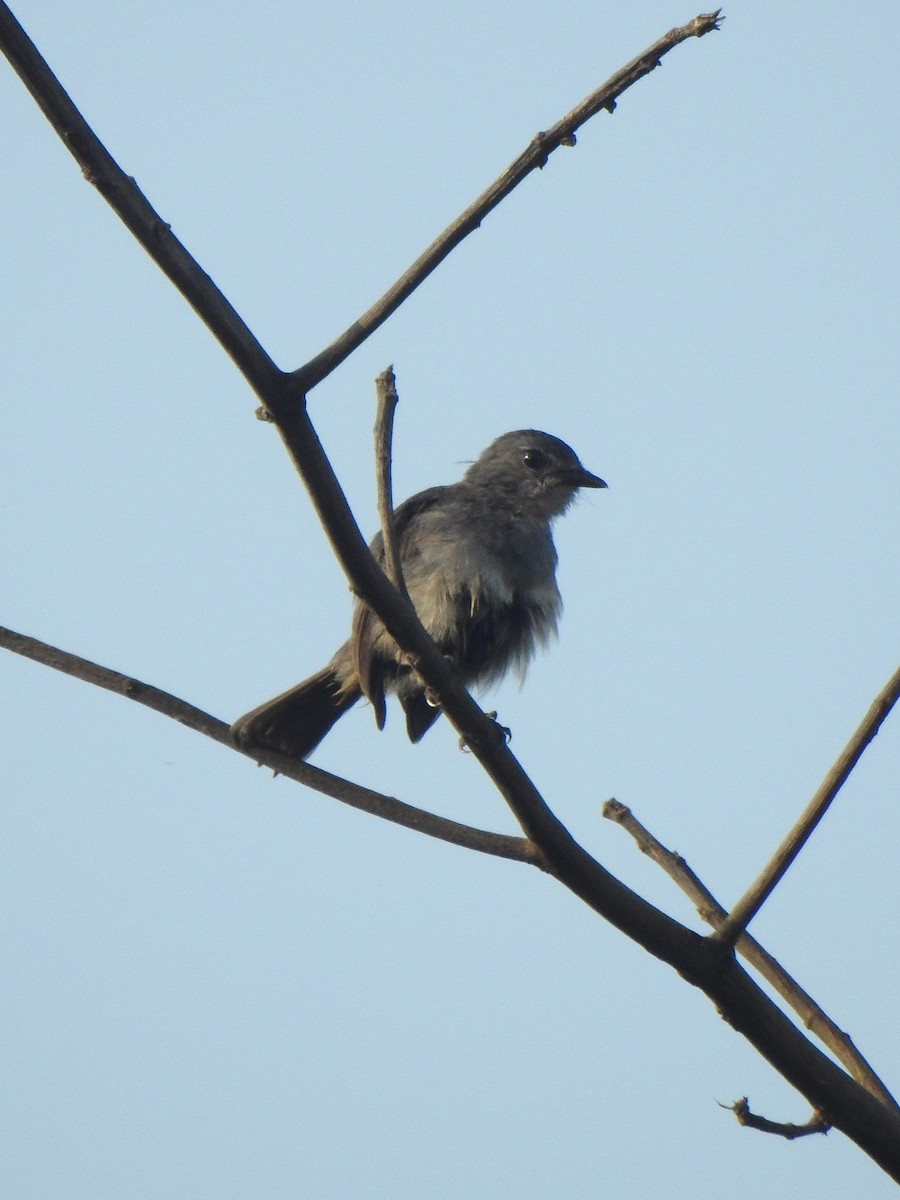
810, 1013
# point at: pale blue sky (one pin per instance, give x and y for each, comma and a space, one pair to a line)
219, 986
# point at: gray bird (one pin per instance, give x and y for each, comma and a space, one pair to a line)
480, 567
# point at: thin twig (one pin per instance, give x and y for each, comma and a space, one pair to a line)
534, 157
741, 1109
387, 807
750, 904
813, 1017
386, 390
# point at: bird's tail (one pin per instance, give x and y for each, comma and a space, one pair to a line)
297, 720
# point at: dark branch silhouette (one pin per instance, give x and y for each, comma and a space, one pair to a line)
812, 1016
387, 807
701, 962
533, 158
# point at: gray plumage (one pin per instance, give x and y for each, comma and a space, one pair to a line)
480, 567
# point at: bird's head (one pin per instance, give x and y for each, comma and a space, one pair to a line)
533, 471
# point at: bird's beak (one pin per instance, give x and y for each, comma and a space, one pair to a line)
582, 478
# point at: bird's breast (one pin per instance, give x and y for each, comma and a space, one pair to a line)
488, 595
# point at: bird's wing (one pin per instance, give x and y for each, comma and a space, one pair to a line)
374, 652
404, 518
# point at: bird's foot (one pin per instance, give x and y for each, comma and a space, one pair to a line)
503, 730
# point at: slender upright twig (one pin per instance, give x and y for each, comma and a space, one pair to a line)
386, 390
755, 897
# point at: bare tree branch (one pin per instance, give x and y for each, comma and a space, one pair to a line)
386, 390
387, 807
126, 199
749, 905
534, 157
155, 235
813, 1017
700, 961
281, 398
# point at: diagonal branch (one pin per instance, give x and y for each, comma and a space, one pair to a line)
533, 158
387, 807
750, 904
812, 1016
127, 200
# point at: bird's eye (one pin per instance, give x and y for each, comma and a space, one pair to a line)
534, 459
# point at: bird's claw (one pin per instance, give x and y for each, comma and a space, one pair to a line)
504, 730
